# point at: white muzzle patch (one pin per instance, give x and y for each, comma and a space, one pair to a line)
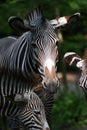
49, 63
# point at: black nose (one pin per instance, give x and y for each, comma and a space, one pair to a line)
52, 88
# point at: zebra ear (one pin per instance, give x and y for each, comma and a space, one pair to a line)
17, 24
73, 59
59, 22
73, 18
35, 18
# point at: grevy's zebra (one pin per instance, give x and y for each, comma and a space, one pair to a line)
35, 52
33, 116
74, 59
26, 108
44, 117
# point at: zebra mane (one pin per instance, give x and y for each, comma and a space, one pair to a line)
85, 58
35, 17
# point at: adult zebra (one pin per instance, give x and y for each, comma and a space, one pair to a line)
34, 54
20, 103
74, 59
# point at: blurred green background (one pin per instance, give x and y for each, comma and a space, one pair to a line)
70, 109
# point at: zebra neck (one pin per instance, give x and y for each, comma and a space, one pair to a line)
22, 59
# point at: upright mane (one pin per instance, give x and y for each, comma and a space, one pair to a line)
35, 17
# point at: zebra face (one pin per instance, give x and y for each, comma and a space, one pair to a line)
45, 53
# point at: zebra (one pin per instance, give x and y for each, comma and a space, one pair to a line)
15, 124
19, 102
73, 59
34, 54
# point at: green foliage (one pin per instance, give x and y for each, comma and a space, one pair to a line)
73, 46
69, 110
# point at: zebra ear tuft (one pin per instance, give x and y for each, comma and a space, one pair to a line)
35, 18
72, 58
17, 24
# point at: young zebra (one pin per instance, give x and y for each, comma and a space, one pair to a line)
32, 116
74, 59
34, 105
22, 104
34, 54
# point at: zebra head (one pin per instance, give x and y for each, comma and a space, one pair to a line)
33, 115
44, 52
74, 59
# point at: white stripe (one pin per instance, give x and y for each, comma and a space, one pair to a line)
80, 64
74, 59
68, 54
